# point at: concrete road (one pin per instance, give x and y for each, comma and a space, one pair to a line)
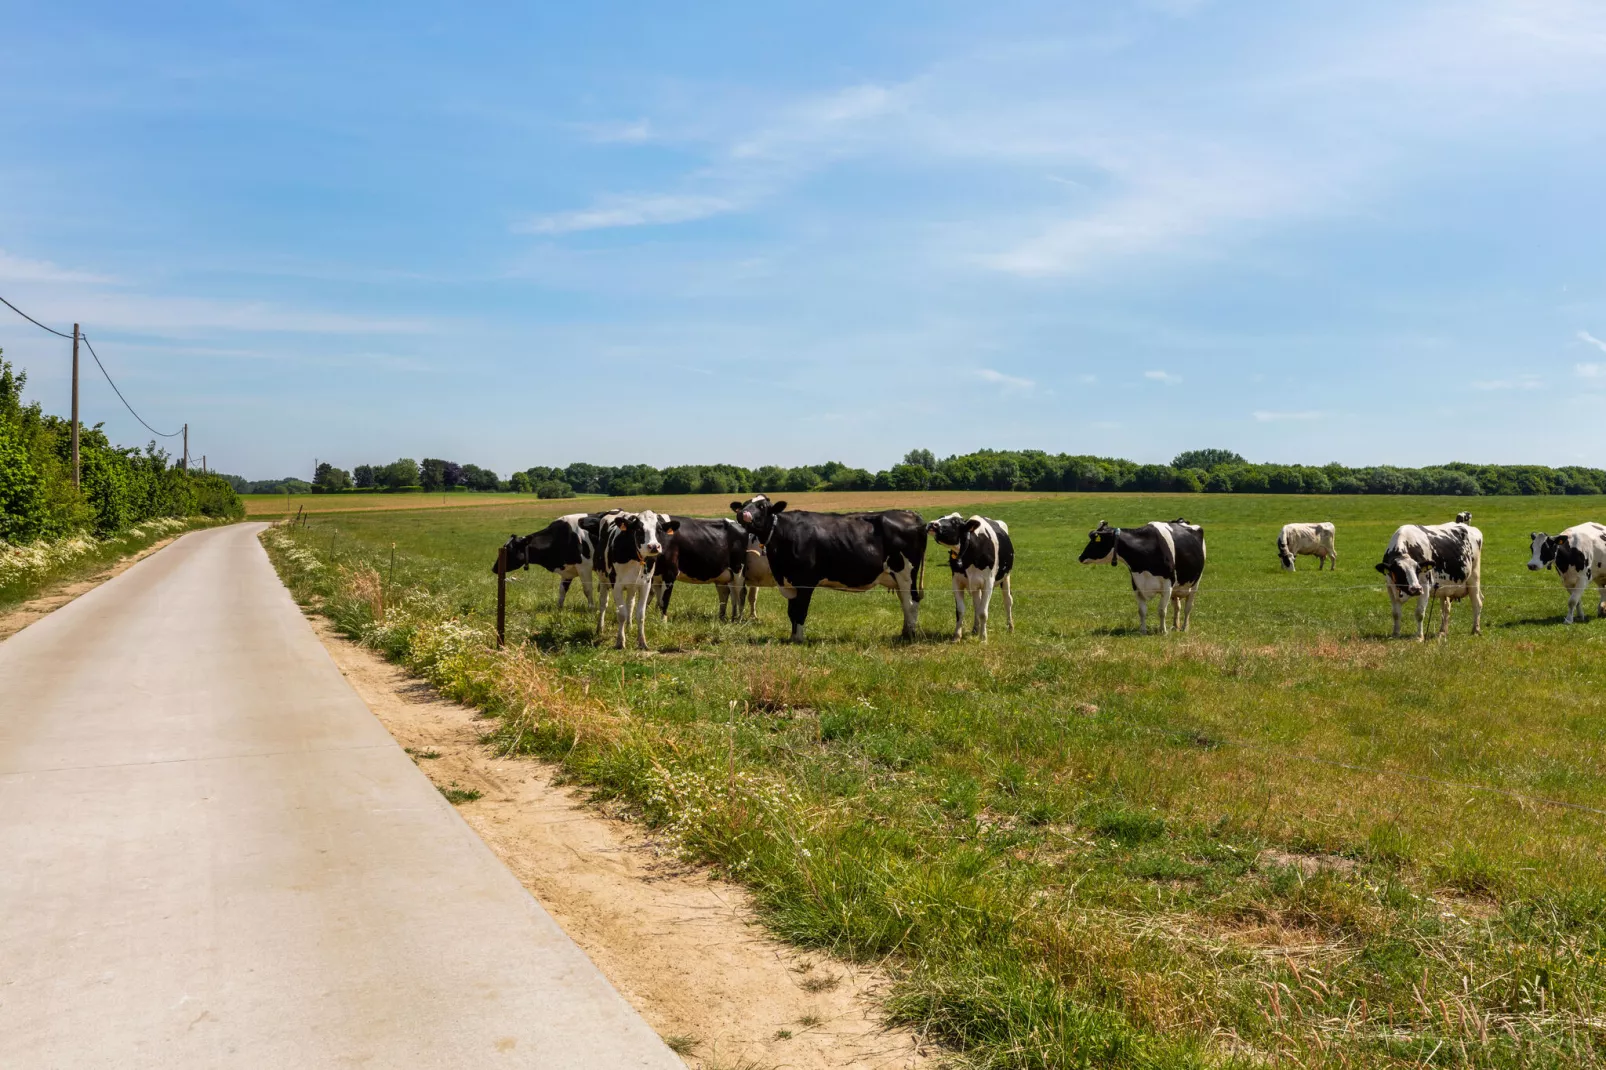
212, 855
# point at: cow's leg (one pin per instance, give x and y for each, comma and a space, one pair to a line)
563, 591
1444, 616
644, 592
752, 602
1397, 604
984, 601
585, 583
959, 607
904, 581
663, 599
1176, 610
1187, 607
621, 611
1423, 604
1165, 604
1143, 613
797, 610
1600, 611
1476, 598
1009, 601
604, 589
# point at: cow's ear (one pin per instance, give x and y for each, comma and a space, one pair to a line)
672, 527
1381, 567
1561, 540
736, 507
621, 522
972, 524
777, 507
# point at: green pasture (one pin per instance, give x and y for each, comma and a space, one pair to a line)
1278, 839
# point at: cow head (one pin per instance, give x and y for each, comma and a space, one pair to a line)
1544, 550
518, 552
644, 532
1463, 518
1403, 572
949, 530
758, 515
1284, 555
1101, 544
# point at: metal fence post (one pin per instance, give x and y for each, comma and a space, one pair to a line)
501, 597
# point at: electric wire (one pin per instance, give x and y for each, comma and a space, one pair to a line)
36, 323
119, 393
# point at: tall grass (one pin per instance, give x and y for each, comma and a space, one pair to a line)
1280, 839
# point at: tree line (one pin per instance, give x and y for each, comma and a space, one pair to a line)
1210, 471
119, 486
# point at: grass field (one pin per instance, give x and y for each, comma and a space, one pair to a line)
1280, 839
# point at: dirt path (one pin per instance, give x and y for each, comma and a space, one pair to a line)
681, 947
19, 617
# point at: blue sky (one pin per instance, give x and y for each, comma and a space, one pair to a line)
531, 234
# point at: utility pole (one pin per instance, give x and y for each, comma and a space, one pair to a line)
186, 447
75, 470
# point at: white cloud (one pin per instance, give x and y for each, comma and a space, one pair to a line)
647, 211
1267, 417
629, 133
1163, 377
1585, 336
1525, 382
1010, 383
1591, 370
21, 269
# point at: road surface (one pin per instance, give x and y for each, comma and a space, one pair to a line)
212, 855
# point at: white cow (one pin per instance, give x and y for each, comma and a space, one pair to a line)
1578, 555
1313, 540
634, 543
1428, 561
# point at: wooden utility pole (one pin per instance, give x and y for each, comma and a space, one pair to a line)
75, 469
501, 596
186, 447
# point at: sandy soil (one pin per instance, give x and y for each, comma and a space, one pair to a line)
14, 620
682, 947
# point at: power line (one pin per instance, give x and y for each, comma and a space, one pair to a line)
119, 393
33, 321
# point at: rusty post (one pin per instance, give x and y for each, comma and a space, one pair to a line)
501, 597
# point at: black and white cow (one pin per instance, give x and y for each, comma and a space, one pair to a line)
980, 556
564, 547
1428, 561
1578, 555
703, 551
1463, 518
1166, 559
755, 574
848, 552
632, 545
1312, 540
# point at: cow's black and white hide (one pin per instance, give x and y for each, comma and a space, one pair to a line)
755, 574
848, 552
1312, 540
1434, 561
564, 547
631, 547
703, 551
1463, 518
1579, 556
981, 555
1166, 559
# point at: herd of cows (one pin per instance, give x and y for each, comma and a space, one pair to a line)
642, 555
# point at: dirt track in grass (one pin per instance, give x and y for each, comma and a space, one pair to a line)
681, 947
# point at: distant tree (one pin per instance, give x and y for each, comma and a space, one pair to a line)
769, 479
554, 488
801, 479
363, 475
519, 483
1219, 482
909, 477
682, 479
432, 474
714, 482
328, 478
1206, 459
584, 478
922, 458
399, 473
853, 479
477, 478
